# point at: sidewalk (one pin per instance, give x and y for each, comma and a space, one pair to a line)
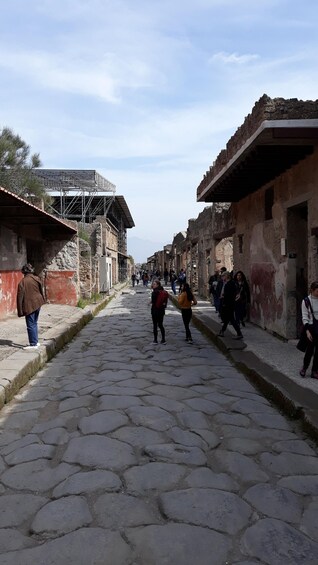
272, 364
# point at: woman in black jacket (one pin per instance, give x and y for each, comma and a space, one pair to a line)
228, 296
243, 297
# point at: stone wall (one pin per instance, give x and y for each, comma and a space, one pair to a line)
265, 108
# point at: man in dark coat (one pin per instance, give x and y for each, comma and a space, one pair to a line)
228, 296
30, 298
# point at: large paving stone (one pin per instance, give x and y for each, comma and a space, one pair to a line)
153, 477
28, 439
232, 419
240, 466
117, 511
277, 421
74, 403
30, 453
243, 446
57, 436
138, 436
99, 451
214, 509
175, 392
89, 481
16, 508
194, 420
290, 464
178, 544
274, 542
176, 453
18, 421
247, 406
309, 520
275, 502
166, 403
85, 546
294, 446
186, 438
205, 478
11, 539
118, 402
102, 422
151, 417
37, 476
205, 406
307, 484
62, 516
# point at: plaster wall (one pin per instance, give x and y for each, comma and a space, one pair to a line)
259, 250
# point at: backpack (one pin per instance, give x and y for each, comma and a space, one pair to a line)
162, 299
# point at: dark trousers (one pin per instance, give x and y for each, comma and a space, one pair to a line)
157, 320
312, 351
186, 317
32, 326
227, 315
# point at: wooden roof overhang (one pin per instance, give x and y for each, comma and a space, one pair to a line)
17, 213
276, 146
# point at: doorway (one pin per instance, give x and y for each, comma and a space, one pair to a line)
297, 277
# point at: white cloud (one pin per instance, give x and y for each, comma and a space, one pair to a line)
233, 58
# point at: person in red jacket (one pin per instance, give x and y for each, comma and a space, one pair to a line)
30, 298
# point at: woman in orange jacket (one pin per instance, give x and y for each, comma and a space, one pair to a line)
186, 299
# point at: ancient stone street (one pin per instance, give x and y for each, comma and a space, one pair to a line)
123, 452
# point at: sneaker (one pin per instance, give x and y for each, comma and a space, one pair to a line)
155, 341
163, 341
190, 340
32, 347
238, 336
314, 375
302, 372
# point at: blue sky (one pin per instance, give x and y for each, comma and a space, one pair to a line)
148, 92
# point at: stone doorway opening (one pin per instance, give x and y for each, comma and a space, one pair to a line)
297, 278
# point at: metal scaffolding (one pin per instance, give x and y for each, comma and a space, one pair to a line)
77, 194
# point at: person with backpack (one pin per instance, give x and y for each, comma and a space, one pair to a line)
159, 299
309, 310
181, 279
186, 299
173, 280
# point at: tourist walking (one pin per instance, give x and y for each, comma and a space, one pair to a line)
30, 298
159, 299
173, 280
242, 299
228, 296
309, 311
186, 299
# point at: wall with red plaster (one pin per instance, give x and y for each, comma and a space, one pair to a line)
9, 281
61, 287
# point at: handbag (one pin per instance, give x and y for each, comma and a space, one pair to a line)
303, 341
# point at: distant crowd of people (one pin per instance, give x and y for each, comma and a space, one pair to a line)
231, 297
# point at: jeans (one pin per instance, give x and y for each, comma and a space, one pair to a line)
32, 326
173, 287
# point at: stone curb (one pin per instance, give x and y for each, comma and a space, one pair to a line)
21, 366
296, 401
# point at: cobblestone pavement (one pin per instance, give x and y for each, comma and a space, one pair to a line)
122, 452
